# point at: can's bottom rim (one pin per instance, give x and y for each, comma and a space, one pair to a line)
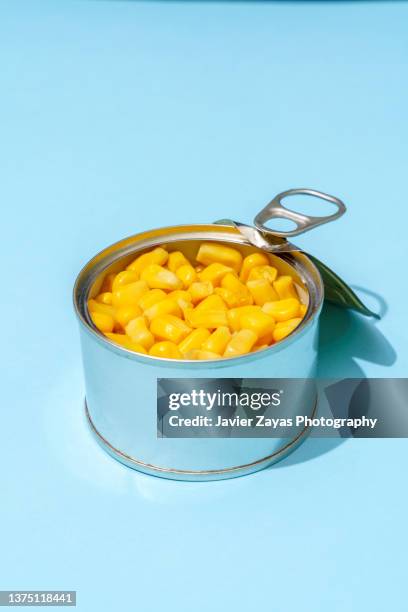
198, 475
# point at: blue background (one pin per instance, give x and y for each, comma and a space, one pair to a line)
120, 116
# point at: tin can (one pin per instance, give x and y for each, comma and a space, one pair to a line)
121, 386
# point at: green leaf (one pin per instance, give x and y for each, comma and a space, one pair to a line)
338, 292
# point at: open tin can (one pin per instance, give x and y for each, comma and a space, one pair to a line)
121, 385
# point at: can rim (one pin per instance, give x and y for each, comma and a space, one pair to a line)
150, 238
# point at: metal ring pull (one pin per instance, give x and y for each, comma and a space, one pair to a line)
304, 223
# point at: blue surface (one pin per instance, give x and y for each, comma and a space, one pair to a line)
119, 116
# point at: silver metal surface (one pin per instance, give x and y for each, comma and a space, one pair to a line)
304, 223
199, 475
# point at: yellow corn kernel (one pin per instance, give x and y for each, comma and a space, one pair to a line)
259, 322
94, 306
215, 272
199, 291
282, 310
234, 315
124, 278
180, 294
209, 319
126, 342
151, 297
166, 350
266, 339
158, 256
199, 269
104, 298
231, 281
158, 277
212, 302
217, 342
210, 252
129, 295
233, 299
108, 283
127, 313
137, 331
186, 274
102, 321
285, 288
285, 328
198, 354
169, 327
302, 310
241, 343
269, 273
194, 340
182, 299
251, 261
167, 306
259, 347
262, 291
176, 260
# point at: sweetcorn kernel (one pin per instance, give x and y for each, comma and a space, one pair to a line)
217, 342
124, 278
285, 328
151, 297
169, 327
234, 315
94, 306
104, 298
209, 253
129, 295
212, 302
261, 323
102, 321
241, 343
176, 259
215, 272
251, 261
269, 273
199, 291
210, 319
166, 350
282, 310
158, 277
262, 291
233, 299
166, 306
194, 340
180, 294
285, 287
137, 331
127, 313
157, 256
186, 274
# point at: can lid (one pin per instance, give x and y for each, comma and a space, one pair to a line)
273, 240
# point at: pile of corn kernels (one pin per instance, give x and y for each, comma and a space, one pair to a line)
225, 306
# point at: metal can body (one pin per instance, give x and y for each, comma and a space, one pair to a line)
121, 386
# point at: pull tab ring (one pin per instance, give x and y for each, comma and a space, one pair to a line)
304, 223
